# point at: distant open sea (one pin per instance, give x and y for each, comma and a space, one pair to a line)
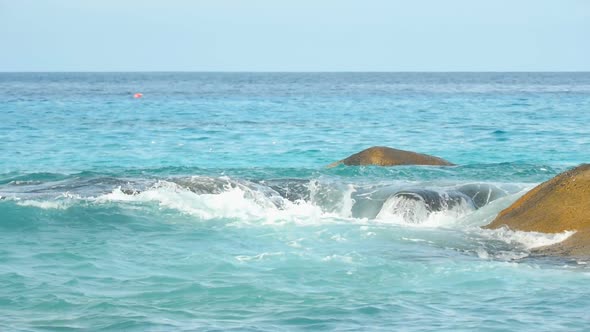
206, 205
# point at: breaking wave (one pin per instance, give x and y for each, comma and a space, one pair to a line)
454, 206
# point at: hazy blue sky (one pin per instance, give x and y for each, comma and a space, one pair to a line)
302, 35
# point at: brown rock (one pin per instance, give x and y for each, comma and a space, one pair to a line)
384, 156
558, 205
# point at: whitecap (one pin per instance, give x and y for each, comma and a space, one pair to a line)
529, 240
411, 212
46, 205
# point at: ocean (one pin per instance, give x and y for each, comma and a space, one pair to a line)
206, 205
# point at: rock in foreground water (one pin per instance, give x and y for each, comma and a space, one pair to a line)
558, 205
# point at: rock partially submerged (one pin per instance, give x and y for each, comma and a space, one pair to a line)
384, 156
558, 205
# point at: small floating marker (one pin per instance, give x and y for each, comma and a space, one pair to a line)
138, 95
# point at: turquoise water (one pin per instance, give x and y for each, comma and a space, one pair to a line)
206, 204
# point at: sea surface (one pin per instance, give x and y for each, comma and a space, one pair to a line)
206, 205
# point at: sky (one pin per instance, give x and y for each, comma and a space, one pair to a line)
295, 35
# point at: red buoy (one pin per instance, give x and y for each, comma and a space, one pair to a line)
138, 95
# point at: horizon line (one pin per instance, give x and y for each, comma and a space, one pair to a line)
290, 72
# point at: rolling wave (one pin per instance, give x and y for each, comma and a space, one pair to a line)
454, 206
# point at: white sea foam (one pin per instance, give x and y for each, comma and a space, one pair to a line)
46, 205
61, 202
228, 204
238, 203
338, 258
482, 253
411, 212
295, 243
259, 257
251, 205
528, 240
338, 238
347, 202
415, 240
